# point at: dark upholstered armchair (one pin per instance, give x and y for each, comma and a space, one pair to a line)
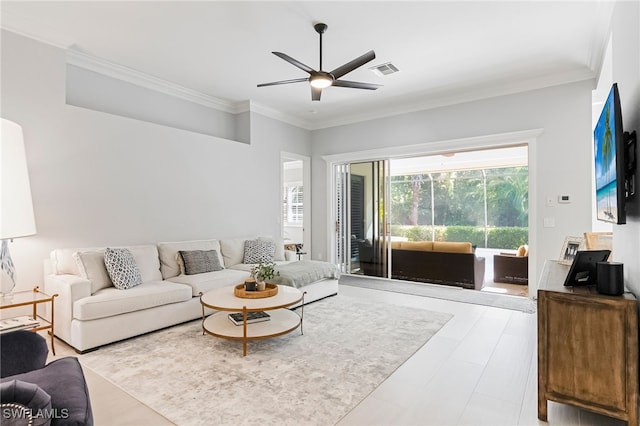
54, 393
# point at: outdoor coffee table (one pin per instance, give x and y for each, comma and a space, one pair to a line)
224, 301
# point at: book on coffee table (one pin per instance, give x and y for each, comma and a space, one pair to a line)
18, 323
252, 317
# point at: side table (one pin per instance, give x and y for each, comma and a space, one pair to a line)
32, 298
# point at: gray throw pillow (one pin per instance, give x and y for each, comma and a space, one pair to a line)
200, 261
122, 268
259, 250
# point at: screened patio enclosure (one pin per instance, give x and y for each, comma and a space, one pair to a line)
478, 196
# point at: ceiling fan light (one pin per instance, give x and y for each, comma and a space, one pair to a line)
320, 81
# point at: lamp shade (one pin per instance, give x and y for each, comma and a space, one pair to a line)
16, 206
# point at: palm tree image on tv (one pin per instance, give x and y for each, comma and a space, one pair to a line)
605, 165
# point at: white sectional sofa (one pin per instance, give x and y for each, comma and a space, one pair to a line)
90, 312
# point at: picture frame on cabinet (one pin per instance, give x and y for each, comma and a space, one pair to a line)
570, 248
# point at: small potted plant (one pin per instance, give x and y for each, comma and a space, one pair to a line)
263, 272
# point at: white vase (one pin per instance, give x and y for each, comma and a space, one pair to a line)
262, 285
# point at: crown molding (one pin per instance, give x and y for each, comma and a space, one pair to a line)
401, 105
280, 116
498, 140
120, 72
426, 101
110, 69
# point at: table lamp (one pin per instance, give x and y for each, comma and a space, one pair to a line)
16, 207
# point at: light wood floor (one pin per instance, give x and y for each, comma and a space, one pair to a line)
479, 369
505, 288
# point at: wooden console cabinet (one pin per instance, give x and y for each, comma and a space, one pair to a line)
587, 348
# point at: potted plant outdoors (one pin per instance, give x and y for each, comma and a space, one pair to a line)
263, 272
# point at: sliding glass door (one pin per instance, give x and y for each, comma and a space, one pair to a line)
362, 226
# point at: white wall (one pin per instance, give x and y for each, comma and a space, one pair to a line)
625, 37
100, 179
563, 152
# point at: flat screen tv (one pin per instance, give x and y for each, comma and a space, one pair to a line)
615, 161
610, 168
583, 268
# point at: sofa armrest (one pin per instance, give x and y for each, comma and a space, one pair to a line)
69, 288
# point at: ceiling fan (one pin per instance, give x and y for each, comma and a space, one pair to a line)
322, 79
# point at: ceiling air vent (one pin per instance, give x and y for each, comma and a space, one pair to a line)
384, 69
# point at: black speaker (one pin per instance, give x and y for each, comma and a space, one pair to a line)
610, 278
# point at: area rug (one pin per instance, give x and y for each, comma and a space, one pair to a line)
456, 294
348, 348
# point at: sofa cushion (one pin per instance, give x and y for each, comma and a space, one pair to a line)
146, 257
279, 254
168, 253
417, 245
111, 301
452, 247
248, 266
91, 267
232, 251
63, 262
200, 261
210, 280
122, 268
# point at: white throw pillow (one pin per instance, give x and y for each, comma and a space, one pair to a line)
122, 268
91, 267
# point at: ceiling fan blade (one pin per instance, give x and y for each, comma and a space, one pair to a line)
315, 93
355, 84
352, 65
294, 62
275, 83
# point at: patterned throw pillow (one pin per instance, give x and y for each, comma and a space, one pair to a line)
260, 250
200, 261
122, 268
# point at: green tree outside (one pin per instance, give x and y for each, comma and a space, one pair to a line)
458, 199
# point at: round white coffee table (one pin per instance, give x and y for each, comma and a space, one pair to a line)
282, 320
